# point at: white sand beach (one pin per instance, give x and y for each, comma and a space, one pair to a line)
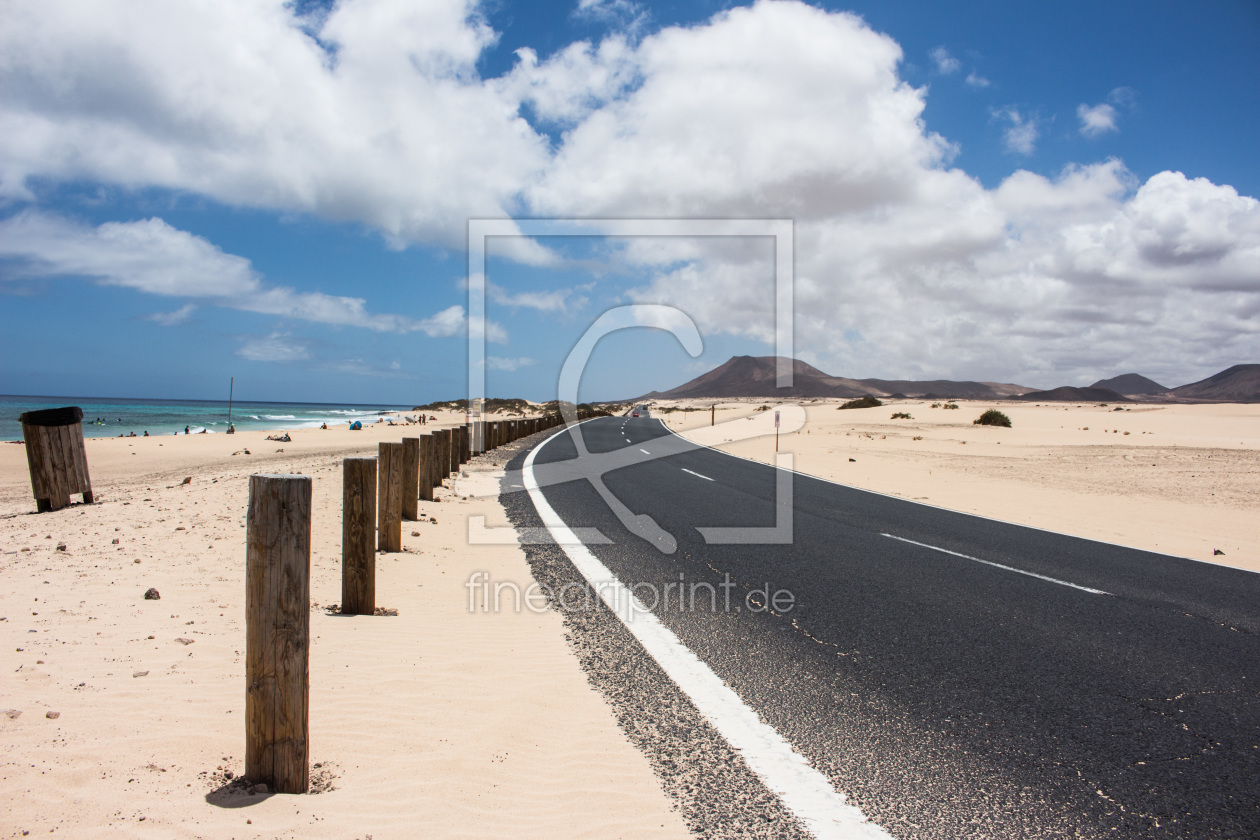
124, 717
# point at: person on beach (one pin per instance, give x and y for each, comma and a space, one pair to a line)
146, 432
323, 426
185, 430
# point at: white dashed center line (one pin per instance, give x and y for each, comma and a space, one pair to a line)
1000, 566
696, 474
644, 451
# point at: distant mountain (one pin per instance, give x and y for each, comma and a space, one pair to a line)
1131, 385
1069, 394
941, 388
1241, 383
754, 376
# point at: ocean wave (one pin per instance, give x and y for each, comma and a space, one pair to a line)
279, 417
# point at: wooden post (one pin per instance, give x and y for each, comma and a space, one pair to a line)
358, 536
389, 493
464, 450
439, 457
411, 479
435, 473
444, 456
453, 460
277, 631
427, 453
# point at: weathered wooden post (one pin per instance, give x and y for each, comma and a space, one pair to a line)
411, 479
56, 456
435, 464
427, 453
358, 536
453, 460
439, 457
277, 631
389, 493
444, 456
464, 450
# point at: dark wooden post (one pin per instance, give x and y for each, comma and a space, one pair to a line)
427, 453
453, 460
440, 457
389, 493
56, 456
277, 631
411, 479
358, 536
464, 453
435, 463
443, 464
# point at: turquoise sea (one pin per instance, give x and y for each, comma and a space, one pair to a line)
109, 417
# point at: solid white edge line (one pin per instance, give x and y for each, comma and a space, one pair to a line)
952, 510
997, 565
803, 790
696, 474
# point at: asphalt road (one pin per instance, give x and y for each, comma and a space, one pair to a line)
954, 676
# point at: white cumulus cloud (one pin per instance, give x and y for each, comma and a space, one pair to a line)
1021, 132
1096, 120
945, 63
151, 256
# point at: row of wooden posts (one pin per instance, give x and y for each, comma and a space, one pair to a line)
377, 495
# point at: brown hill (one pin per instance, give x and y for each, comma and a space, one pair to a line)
1132, 385
1069, 394
1241, 383
754, 376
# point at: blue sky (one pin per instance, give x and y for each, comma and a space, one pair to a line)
1040, 193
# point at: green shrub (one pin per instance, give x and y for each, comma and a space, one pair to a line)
992, 417
936, 405
951, 405
862, 402
901, 415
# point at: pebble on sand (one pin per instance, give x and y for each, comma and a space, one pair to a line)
152, 594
